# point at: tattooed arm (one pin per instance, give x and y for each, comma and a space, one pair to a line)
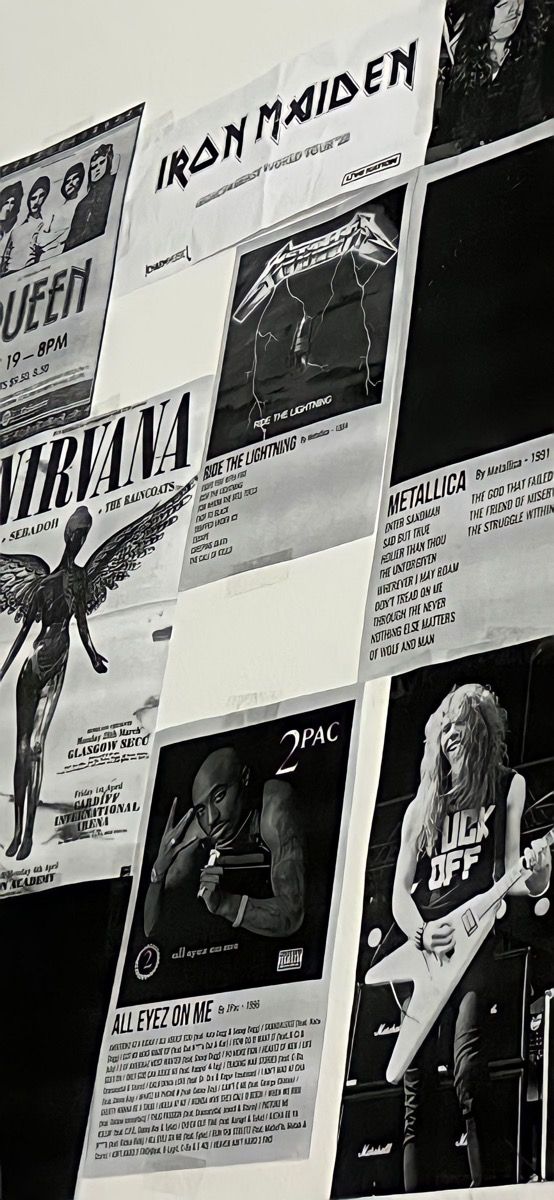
283, 913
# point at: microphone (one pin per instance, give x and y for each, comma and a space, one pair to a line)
214, 855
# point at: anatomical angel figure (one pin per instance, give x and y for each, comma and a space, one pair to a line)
32, 592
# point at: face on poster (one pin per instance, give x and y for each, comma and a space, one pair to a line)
60, 211
221, 997
447, 1077
470, 504
83, 514
495, 73
302, 402
254, 813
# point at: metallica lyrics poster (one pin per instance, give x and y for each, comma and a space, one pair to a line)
303, 396
60, 211
220, 1001
93, 525
470, 506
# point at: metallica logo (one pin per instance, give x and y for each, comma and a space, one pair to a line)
395, 67
361, 235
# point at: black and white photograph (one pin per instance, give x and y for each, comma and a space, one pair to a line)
59, 954
238, 866
449, 1077
496, 73
226, 959
60, 211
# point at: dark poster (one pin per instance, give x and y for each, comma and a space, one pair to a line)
480, 358
288, 805
496, 72
59, 951
468, 1104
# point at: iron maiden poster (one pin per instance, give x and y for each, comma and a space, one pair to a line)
59, 954
92, 528
357, 109
463, 558
60, 211
303, 397
449, 1072
213, 1042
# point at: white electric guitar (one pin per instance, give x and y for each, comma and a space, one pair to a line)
435, 976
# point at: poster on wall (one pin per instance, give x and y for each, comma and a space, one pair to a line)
59, 957
60, 212
496, 73
92, 528
220, 1001
303, 397
463, 556
449, 1071
343, 115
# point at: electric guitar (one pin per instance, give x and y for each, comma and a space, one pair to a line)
435, 976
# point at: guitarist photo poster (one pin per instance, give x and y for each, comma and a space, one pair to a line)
455, 961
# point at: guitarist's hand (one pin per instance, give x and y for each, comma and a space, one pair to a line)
438, 937
537, 859
537, 856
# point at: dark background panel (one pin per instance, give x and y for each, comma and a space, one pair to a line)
318, 785
480, 358
59, 953
369, 1154
349, 301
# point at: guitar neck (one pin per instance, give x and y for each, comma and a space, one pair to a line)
519, 871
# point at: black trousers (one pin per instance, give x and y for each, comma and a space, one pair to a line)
466, 1015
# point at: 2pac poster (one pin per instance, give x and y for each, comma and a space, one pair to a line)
224, 975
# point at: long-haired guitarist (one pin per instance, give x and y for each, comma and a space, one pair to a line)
459, 834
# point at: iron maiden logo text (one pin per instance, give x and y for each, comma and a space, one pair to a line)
392, 69
103, 458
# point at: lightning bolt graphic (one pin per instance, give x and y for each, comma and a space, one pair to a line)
258, 404
257, 407
362, 284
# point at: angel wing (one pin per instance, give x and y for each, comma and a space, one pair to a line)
20, 575
124, 551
